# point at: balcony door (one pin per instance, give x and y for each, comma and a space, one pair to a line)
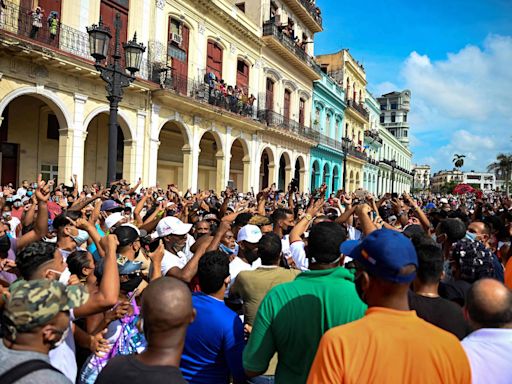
269, 95
286, 108
25, 19
214, 59
302, 104
177, 54
242, 75
108, 11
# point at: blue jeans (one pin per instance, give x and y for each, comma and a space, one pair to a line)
263, 379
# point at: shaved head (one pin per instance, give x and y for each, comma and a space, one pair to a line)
489, 304
166, 307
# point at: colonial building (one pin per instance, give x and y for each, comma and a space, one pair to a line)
394, 108
372, 145
327, 156
441, 178
216, 99
421, 177
351, 75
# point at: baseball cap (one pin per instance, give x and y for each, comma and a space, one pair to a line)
113, 219
250, 233
444, 200
110, 206
127, 234
211, 216
34, 303
384, 253
171, 225
474, 259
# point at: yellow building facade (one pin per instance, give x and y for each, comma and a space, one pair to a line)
223, 97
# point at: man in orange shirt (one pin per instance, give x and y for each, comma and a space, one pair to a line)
390, 344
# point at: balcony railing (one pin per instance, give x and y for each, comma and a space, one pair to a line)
358, 107
312, 9
353, 151
17, 21
205, 90
373, 135
373, 161
276, 120
271, 29
330, 142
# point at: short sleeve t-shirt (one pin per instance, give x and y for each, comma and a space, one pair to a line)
389, 346
127, 369
442, 313
293, 317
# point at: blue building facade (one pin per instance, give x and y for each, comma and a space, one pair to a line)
327, 120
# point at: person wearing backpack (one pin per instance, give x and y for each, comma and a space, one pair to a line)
36, 320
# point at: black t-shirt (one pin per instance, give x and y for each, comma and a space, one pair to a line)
454, 290
440, 312
129, 370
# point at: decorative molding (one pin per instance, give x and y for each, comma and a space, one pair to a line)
304, 94
232, 48
290, 84
160, 4
273, 73
80, 98
258, 64
201, 28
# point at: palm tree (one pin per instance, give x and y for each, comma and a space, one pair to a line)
503, 165
458, 160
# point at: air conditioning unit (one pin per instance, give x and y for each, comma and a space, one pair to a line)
176, 38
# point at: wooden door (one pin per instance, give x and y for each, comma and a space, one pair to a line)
108, 11
214, 59
179, 63
301, 111
286, 108
269, 95
242, 75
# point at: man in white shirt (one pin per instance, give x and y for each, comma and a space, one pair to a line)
489, 312
178, 261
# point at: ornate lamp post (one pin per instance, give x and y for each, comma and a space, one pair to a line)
345, 141
393, 166
115, 76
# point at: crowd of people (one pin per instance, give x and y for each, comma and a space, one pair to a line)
149, 285
235, 99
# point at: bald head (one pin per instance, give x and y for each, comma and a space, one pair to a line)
489, 304
166, 306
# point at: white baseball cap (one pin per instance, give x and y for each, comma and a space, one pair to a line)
444, 200
171, 225
250, 233
113, 219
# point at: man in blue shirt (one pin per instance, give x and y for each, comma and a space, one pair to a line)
215, 340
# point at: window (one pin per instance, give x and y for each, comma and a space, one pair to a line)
405, 117
382, 118
302, 104
383, 107
52, 131
405, 133
108, 11
269, 95
49, 172
393, 106
286, 107
214, 59
393, 117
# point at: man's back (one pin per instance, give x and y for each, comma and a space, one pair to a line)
389, 346
293, 317
214, 343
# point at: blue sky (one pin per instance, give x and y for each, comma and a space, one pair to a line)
456, 58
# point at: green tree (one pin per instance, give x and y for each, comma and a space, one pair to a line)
503, 166
458, 160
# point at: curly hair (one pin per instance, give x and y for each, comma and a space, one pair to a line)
212, 271
33, 256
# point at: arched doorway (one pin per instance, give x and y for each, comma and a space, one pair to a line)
315, 176
208, 170
240, 165
266, 168
335, 179
351, 182
285, 170
96, 149
29, 139
358, 181
326, 177
170, 156
298, 174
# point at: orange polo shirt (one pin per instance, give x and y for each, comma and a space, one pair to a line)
389, 346
508, 273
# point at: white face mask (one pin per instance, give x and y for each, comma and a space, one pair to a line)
62, 338
64, 275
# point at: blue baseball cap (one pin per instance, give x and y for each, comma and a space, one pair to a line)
383, 253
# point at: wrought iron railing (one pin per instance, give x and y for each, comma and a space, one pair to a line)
330, 142
313, 10
271, 29
18, 21
276, 120
374, 135
358, 107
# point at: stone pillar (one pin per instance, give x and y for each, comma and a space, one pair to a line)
287, 176
222, 163
154, 145
76, 141
228, 142
129, 160
247, 175
150, 153
66, 155
304, 181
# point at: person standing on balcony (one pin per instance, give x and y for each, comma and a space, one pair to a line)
37, 21
53, 24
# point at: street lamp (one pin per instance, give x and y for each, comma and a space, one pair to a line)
114, 75
413, 179
345, 144
393, 165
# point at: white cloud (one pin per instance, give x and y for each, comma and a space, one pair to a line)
462, 104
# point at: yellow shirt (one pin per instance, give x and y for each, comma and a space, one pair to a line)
389, 346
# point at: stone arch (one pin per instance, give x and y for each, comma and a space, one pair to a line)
290, 85
285, 170
184, 128
267, 167
181, 18
122, 119
315, 175
216, 136
240, 163
273, 74
304, 94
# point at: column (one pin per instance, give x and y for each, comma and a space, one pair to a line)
150, 153
287, 176
228, 142
247, 175
154, 144
222, 163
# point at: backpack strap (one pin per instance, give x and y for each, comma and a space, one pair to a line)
21, 370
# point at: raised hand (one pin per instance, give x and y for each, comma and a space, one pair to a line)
43, 189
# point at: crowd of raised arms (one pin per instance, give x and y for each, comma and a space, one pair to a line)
133, 284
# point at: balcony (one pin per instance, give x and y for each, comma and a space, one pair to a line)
287, 48
281, 123
17, 21
308, 12
373, 161
353, 151
359, 108
330, 142
373, 135
238, 103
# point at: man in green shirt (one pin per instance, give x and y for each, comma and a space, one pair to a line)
293, 316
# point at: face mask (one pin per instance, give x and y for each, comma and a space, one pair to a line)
5, 244
128, 204
130, 285
29, 193
471, 236
62, 338
18, 204
227, 250
6, 214
64, 275
81, 238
